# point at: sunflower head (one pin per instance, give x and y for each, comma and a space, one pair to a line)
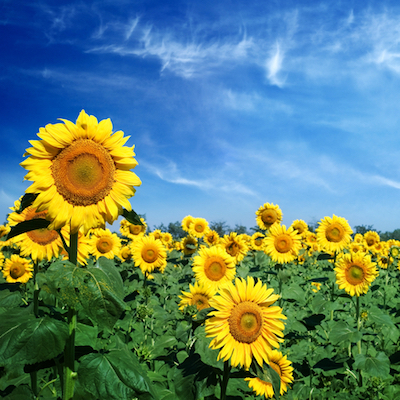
17, 269
104, 243
187, 222
132, 231
81, 173
371, 238
300, 226
333, 234
199, 295
149, 253
235, 245
267, 215
199, 227
211, 238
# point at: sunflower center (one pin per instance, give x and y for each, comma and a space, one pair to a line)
258, 242
233, 249
334, 233
283, 243
83, 172
200, 301
17, 270
149, 254
269, 217
104, 245
355, 274
199, 228
370, 241
41, 236
245, 322
135, 229
215, 268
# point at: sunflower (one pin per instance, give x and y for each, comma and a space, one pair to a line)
199, 227
333, 234
166, 238
189, 245
4, 229
198, 295
235, 245
132, 231
257, 241
157, 234
245, 324
355, 272
211, 238
39, 244
282, 366
81, 173
213, 267
187, 222
371, 238
267, 215
17, 269
125, 254
300, 226
104, 243
1, 259
281, 244
149, 253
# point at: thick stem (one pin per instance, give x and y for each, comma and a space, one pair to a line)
224, 383
358, 320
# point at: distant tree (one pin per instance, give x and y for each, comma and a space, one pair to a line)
390, 235
175, 229
362, 229
239, 229
161, 227
312, 226
220, 227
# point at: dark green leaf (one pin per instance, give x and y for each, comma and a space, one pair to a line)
325, 256
26, 201
26, 226
378, 366
132, 217
327, 364
342, 332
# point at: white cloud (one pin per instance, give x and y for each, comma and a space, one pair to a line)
274, 66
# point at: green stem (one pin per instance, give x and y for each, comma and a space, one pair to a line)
34, 387
358, 321
224, 383
35, 290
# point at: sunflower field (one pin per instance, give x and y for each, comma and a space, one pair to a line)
87, 313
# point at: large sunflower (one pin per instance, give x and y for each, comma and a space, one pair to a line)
213, 267
198, 295
149, 253
333, 234
17, 269
38, 244
282, 367
245, 324
267, 215
281, 244
81, 173
104, 243
355, 272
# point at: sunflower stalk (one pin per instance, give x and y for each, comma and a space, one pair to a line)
225, 379
33, 374
358, 321
69, 353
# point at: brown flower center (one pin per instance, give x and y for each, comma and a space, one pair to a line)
17, 269
355, 274
245, 322
200, 301
269, 217
135, 229
104, 245
41, 236
149, 254
334, 233
83, 172
233, 249
283, 243
215, 268
199, 228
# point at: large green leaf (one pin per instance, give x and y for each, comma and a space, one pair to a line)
378, 366
342, 332
114, 375
26, 339
97, 291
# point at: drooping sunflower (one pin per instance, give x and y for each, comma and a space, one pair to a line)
199, 227
104, 243
267, 215
333, 234
355, 272
198, 295
149, 253
38, 244
281, 244
132, 231
211, 238
17, 269
245, 324
235, 245
213, 267
187, 222
283, 367
371, 238
81, 173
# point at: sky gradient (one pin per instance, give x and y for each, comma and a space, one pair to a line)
230, 104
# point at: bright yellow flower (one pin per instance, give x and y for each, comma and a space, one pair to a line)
267, 215
149, 253
81, 173
235, 245
300, 226
257, 241
284, 369
333, 234
198, 295
245, 324
189, 245
281, 244
132, 231
17, 269
317, 286
84, 246
199, 227
187, 222
371, 238
104, 243
211, 238
355, 272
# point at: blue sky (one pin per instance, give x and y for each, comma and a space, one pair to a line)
230, 104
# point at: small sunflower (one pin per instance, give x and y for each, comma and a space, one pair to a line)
157, 234
149, 253
166, 238
17, 269
198, 295
245, 324
199, 227
371, 238
281, 244
213, 267
333, 234
284, 369
132, 231
81, 173
187, 222
211, 238
267, 215
394, 251
300, 226
235, 245
104, 243
189, 245
355, 272
4, 229
257, 241
125, 254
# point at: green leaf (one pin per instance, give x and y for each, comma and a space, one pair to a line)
377, 316
325, 256
26, 226
10, 299
268, 374
341, 332
116, 375
26, 201
378, 366
24, 338
97, 291
132, 217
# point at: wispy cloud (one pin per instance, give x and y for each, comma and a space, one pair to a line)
274, 66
